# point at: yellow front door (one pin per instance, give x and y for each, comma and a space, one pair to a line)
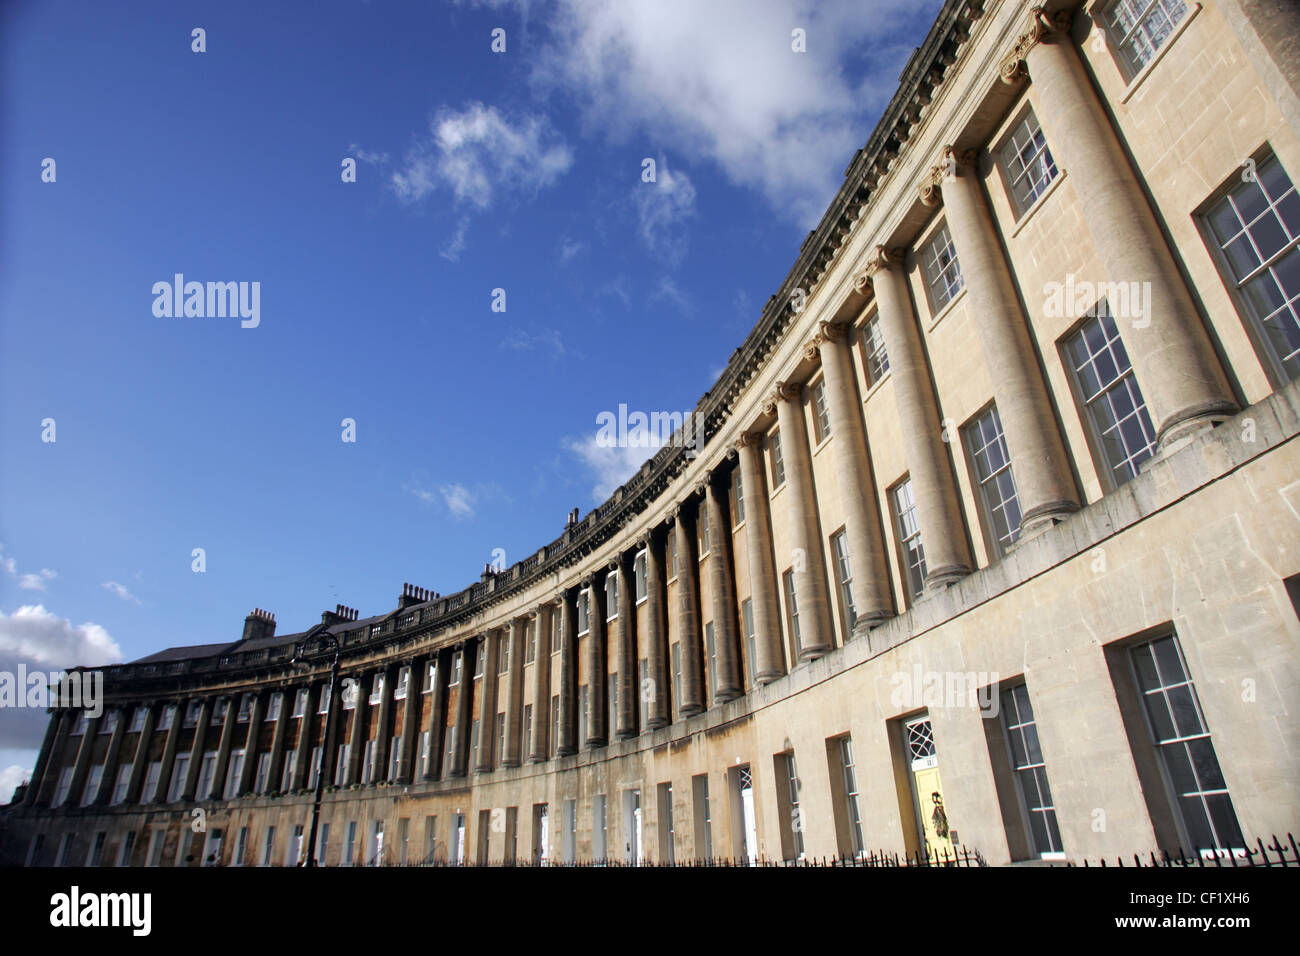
930, 811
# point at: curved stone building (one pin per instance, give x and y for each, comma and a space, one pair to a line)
990, 540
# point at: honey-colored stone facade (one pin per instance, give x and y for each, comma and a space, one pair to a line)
703, 684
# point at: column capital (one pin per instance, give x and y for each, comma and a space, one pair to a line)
783, 392
952, 162
827, 332
1043, 27
745, 439
879, 259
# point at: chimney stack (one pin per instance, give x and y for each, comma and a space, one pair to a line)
258, 625
339, 615
414, 595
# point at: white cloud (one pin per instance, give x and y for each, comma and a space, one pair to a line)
569, 248
36, 582
45, 642
609, 465
721, 81
459, 500
121, 591
10, 778
519, 340
668, 291
478, 151
452, 250
662, 208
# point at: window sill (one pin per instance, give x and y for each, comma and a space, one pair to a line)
875, 387
820, 445
1029, 213
947, 307
1170, 40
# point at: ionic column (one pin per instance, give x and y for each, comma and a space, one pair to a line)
251, 737
726, 682
487, 718
108, 779
411, 720
384, 725
770, 662
1175, 364
223, 747
629, 682
140, 762
438, 718
659, 709
302, 757
515, 692
1044, 484
277, 742
943, 535
196, 749
170, 746
465, 708
568, 742
540, 744
815, 632
357, 738
689, 639
872, 594
597, 668
53, 732
81, 768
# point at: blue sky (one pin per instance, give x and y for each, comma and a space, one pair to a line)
476, 171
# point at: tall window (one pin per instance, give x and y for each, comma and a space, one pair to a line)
711, 650
821, 416
149, 794
528, 728
792, 607
91, 789
403, 684
584, 612
639, 570
844, 570
234, 770
611, 596
122, 782
1138, 28
703, 817
300, 702
530, 642
1031, 772
180, 768
555, 724
1256, 228
503, 653
943, 277
1115, 410
457, 664
1026, 163
268, 848
703, 529
795, 824
747, 623
852, 814
599, 827
1182, 740
677, 674
643, 672
778, 462
672, 553
137, 719
911, 553
873, 342
737, 499
992, 464
166, 717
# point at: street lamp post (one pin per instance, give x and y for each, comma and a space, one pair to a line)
299, 651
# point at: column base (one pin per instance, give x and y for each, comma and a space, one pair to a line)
511, 764
766, 677
690, 710
1045, 517
1180, 429
594, 742
657, 723
812, 653
725, 694
940, 579
566, 751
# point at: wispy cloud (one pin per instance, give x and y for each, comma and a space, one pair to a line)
668, 291
520, 340
121, 591
459, 500
662, 208
479, 151
608, 466
36, 582
570, 248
